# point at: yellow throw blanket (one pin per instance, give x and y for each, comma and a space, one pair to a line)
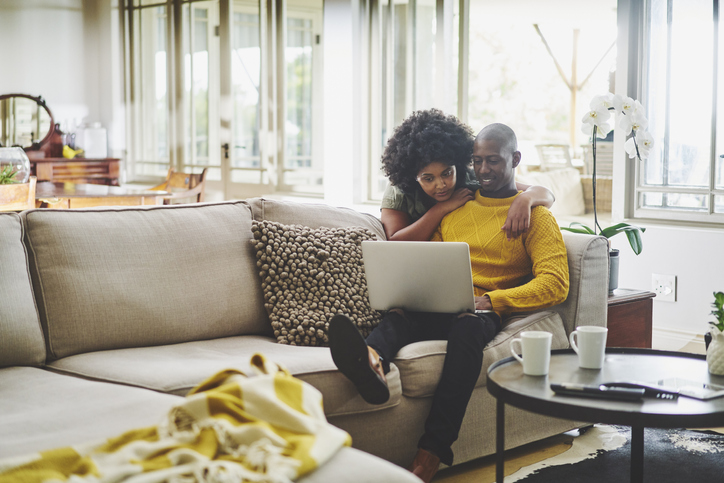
230, 428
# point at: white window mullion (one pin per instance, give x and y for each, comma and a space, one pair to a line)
463, 59
176, 88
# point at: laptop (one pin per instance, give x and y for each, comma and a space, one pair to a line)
419, 276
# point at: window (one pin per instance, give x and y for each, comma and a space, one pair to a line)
535, 66
148, 70
682, 179
302, 170
229, 85
246, 165
413, 54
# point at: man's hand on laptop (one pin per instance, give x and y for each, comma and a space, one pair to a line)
483, 303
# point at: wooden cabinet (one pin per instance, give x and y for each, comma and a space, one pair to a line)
630, 315
77, 170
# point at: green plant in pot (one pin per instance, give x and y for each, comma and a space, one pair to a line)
7, 175
715, 347
632, 121
14, 165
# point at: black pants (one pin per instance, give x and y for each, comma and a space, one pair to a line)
467, 336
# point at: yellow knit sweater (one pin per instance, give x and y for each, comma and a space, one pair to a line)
527, 273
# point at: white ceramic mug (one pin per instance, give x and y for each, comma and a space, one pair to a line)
536, 350
589, 342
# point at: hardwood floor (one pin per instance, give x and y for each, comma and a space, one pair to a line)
483, 470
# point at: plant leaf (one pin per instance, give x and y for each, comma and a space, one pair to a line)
719, 300
634, 239
633, 233
576, 227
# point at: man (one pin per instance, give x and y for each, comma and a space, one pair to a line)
526, 273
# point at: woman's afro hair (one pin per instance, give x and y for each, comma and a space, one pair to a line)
425, 137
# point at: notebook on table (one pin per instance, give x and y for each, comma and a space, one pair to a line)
419, 276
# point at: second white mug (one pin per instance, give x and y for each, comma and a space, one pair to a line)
589, 342
536, 350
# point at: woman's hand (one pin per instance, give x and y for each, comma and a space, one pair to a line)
458, 199
483, 303
518, 219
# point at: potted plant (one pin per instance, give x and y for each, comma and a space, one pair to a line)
715, 346
7, 175
14, 165
632, 121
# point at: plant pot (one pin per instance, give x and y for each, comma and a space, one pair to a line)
715, 354
612, 270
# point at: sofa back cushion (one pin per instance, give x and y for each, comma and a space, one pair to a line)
117, 278
21, 339
313, 215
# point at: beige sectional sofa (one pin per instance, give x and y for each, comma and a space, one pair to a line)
109, 316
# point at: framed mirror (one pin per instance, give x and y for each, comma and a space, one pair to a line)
25, 121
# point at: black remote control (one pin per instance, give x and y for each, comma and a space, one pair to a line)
601, 392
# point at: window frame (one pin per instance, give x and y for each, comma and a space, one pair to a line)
640, 22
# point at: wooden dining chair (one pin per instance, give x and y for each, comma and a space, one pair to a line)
604, 158
554, 156
183, 187
19, 196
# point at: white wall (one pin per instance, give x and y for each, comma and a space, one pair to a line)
42, 50
694, 256
62, 50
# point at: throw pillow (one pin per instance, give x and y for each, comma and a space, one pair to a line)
308, 275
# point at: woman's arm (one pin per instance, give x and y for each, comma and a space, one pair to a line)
398, 226
518, 219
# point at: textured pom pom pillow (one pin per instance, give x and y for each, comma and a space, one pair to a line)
308, 275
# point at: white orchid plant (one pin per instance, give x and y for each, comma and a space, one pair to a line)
632, 121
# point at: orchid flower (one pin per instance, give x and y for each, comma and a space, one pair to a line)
639, 146
605, 101
597, 117
635, 121
629, 106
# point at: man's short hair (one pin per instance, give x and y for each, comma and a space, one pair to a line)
501, 134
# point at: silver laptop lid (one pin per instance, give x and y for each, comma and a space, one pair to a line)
419, 276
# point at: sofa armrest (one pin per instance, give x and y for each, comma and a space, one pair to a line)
587, 302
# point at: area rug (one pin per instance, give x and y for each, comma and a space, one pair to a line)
603, 455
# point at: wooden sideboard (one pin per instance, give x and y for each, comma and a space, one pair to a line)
77, 170
630, 318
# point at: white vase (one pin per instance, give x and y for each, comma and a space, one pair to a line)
715, 353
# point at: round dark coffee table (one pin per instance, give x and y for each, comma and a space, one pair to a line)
508, 384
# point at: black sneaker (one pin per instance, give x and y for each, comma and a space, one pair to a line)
352, 357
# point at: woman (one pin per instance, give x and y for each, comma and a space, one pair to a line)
427, 161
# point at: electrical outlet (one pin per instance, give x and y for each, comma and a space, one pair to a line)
664, 286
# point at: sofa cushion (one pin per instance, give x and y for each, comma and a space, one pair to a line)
309, 275
21, 342
587, 301
313, 215
421, 363
355, 466
43, 410
178, 368
111, 278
